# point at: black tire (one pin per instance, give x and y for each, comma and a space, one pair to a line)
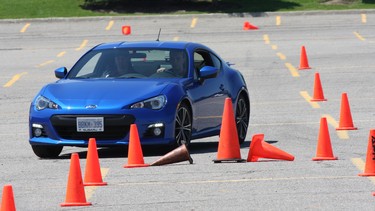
242, 118
183, 125
44, 151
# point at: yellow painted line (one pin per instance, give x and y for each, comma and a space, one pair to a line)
24, 28
193, 22
61, 54
45, 63
237, 180
360, 164
281, 56
359, 36
109, 26
90, 190
176, 38
292, 70
83, 44
372, 179
342, 134
307, 97
14, 79
274, 47
363, 18
208, 117
278, 20
266, 39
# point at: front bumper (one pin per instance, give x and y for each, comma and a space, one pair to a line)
60, 129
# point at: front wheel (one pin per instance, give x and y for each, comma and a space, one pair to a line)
183, 125
44, 151
242, 118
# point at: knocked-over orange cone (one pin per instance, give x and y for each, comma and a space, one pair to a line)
370, 158
318, 90
304, 63
179, 154
261, 149
324, 148
346, 121
248, 26
93, 174
7, 201
229, 145
135, 154
75, 192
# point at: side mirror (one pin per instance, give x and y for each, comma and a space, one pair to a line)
208, 72
61, 72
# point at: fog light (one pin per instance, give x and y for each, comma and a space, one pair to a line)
37, 132
157, 131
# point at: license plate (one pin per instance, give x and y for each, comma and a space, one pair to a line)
90, 124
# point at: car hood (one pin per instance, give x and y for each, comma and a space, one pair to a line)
103, 93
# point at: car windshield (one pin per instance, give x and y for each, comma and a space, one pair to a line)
131, 63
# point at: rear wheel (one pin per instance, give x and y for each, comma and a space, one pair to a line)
183, 124
242, 118
44, 151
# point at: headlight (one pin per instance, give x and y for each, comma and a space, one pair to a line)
152, 103
43, 103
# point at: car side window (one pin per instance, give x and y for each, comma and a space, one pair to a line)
204, 58
216, 62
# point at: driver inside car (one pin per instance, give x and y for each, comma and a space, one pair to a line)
178, 62
122, 65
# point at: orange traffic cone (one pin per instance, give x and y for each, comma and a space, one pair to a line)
304, 63
179, 154
75, 192
229, 146
135, 155
7, 202
261, 149
126, 30
370, 158
318, 90
324, 148
93, 175
346, 121
248, 26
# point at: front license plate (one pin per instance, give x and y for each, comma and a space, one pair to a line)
90, 124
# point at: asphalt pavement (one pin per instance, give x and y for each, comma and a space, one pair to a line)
340, 46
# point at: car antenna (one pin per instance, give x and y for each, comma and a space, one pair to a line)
158, 35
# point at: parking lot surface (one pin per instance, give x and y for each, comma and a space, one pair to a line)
339, 46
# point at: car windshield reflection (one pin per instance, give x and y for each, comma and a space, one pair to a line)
131, 63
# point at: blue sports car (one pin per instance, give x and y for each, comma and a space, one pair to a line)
173, 91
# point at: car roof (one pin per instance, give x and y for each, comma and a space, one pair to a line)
149, 44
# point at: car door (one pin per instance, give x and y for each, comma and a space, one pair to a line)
208, 94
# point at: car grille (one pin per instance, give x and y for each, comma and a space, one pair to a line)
115, 127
